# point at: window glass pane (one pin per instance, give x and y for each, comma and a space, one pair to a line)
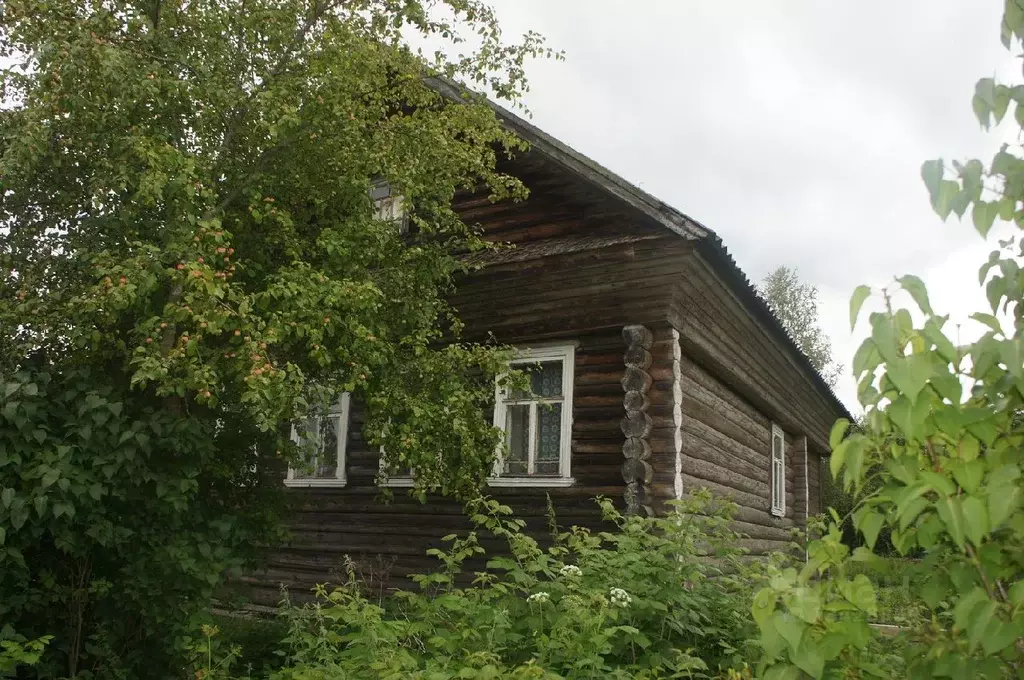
549, 438
517, 424
320, 433
545, 380
327, 458
777, 446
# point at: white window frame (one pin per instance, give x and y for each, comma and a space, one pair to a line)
778, 472
389, 207
341, 410
566, 353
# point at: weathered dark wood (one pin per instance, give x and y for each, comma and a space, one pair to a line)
676, 384
637, 424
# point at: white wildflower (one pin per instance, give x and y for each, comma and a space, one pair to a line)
570, 570
539, 598
619, 597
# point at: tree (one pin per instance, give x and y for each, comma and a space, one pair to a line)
795, 304
190, 256
938, 460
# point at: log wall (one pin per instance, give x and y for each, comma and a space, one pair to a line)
726, 447
582, 268
389, 540
721, 333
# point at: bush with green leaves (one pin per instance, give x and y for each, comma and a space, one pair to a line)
652, 598
939, 462
117, 520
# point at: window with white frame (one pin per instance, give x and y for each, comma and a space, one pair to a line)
326, 436
778, 471
537, 422
388, 205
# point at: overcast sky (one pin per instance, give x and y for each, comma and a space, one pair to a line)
794, 129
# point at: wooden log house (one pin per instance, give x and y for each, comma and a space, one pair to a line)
662, 368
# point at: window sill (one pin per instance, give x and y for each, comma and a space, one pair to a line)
778, 513
400, 483
521, 482
540, 482
315, 483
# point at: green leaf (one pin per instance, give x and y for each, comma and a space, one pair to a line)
805, 605
839, 430
952, 515
931, 173
968, 474
946, 200
860, 294
975, 519
790, 628
910, 374
860, 593
867, 358
1002, 502
982, 111
40, 504
1016, 593
19, 515
764, 607
964, 609
984, 216
869, 523
782, 672
809, 658
917, 290
989, 320
6, 497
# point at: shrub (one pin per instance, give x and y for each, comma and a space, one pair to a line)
117, 520
656, 597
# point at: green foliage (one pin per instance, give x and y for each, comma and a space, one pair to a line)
796, 305
185, 202
937, 463
117, 520
190, 257
17, 652
655, 598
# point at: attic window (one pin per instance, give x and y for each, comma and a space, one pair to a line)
388, 205
327, 435
778, 471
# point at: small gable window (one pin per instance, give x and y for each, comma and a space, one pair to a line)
778, 471
325, 435
538, 422
388, 205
